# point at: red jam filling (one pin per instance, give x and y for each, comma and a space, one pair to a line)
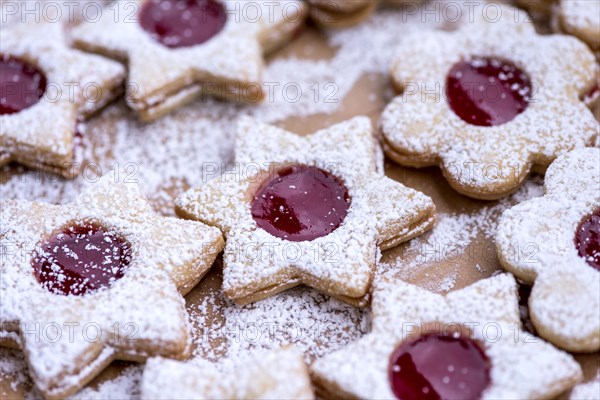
81, 259
487, 91
436, 366
587, 239
301, 203
182, 23
22, 85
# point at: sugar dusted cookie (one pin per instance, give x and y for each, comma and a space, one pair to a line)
464, 345
178, 50
554, 242
96, 280
582, 19
312, 210
47, 88
341, 13
489, 102
347, 13
273, 374
587, 391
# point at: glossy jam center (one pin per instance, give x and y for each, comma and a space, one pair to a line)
22, 85
436, 366
587, 239
182, 23
487, 91
301, 203
81, 259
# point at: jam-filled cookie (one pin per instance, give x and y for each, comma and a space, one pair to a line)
96, 280
272, 374
467, 344
554, 242
47, 89
178, 50
312, 210
489, 102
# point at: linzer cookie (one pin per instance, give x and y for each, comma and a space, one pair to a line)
47, 89
273, 374
489, 102
467, 344
178, 50
554, 242
96, 280
312, 210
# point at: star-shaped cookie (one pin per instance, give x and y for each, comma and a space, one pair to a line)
312, 210
178, 50
272, 374
553, 241
47, 88
465, 344
489, 110
96, 280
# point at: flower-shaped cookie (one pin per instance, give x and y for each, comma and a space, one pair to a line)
96, 280
489, 101
554, 242
310, 210
273, 374
46, 88
177, 50
464, 345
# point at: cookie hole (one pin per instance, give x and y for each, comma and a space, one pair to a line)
439, 361
22, 84
81, 258
300, 203
487, 91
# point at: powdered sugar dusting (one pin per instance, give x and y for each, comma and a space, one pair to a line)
183, 149
454, 237
400, 309
563, 303
124, 386
421, 129
274, 374
197, 141
161, 266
